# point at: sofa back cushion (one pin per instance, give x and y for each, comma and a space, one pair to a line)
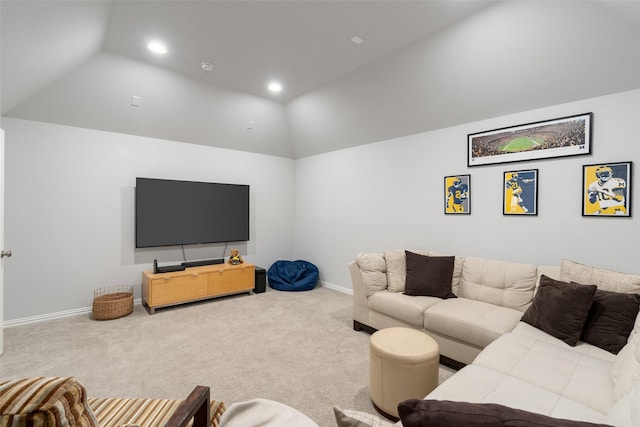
457, 270
551, 271
498, 282
614, 309
374, 272
625, 370
397, 268
607, 280
626, 411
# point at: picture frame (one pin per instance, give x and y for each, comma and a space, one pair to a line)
457, 194
606, 189
520, 192
561, 137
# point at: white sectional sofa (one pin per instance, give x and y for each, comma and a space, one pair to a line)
493, 295
518, 364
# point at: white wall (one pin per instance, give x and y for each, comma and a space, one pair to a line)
70, 195
70, 210
493, 63
389, 195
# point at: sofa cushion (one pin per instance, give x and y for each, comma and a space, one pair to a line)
626, 411
580, 348
446, 413
429, 276
537, 358
478, 384
45, 402
399, 306
457, 270
560, 308
374, 272
397, 268
471, 321
498, 282
608, 280
611, 319
552, 271
625, 370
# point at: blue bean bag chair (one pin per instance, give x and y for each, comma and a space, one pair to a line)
293, 275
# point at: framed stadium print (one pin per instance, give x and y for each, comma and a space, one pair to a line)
520, 192
566, 136
606, 189
457, 194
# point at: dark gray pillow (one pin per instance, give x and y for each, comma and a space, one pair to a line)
610, 320
560, 308
444, 413
429, 275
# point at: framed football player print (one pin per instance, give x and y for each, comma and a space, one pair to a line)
457, 194
606, 189
520, 192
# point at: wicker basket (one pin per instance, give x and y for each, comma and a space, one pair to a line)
112, 302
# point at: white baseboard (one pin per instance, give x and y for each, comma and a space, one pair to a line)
138, 301
336, 287
57, 315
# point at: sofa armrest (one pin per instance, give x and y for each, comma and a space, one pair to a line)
195, 406
360, 306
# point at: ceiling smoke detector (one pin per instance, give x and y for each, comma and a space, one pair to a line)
206, 66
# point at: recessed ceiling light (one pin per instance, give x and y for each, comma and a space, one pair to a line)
206, 66
275, 87
356, 40
157, 47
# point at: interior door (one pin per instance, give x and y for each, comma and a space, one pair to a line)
1, 239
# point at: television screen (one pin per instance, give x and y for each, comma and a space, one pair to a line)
172, 213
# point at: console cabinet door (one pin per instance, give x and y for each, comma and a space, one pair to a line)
178, 288
240, 278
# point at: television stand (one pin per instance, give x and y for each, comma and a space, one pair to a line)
195, 284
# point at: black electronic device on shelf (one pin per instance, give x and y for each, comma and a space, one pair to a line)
203, 262
167, 268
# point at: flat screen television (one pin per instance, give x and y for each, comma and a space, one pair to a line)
169, 213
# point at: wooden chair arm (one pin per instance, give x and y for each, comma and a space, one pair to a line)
195, 406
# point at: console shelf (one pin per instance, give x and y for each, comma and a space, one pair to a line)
196, 283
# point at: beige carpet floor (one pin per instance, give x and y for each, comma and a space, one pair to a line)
298, 348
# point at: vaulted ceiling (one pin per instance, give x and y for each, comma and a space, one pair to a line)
420, 65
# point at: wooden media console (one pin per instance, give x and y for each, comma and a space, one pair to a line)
196, 283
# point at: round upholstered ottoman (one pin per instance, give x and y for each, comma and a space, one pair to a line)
403, 364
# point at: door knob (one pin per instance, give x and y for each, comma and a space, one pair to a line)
5, 254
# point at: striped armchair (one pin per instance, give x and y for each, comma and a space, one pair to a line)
63, 401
